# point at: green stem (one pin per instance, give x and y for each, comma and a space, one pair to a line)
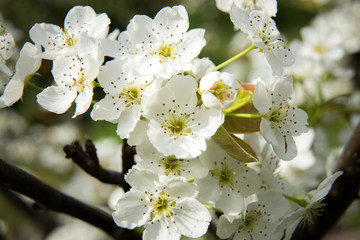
301, 202
234, 58
32, 86
213, 208
244, 115
96, 84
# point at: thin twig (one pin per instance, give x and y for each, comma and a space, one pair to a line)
88, 161
42, 220
22, 182
343, 192
128, 160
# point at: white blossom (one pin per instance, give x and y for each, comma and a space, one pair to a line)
218, 89
263, 33
229, 181
27, 64
122, 102
82, 28
7, 44
74, 77
312, 204
163, 43
165, 206
258, 222
280, 121
177, 126
149, 158
269, 6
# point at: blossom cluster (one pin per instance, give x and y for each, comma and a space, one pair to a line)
183, 115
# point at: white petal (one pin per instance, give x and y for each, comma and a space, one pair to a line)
171, 23
111, 77
131, 210
282, 89
191, 45
108, 108
268, 132
248, 181
5, 69
225, 227
137, 135
193, 219
261, 98
84, 19
160, 230
209, 190
143, 180
56, 99
139, 30
231, 202
178, 187
13, 90
83, 101
286, 150
325, 186
128, 120
240, 18
28, 63
44, 34
87, 45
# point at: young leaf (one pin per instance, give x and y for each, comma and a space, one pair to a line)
236, 124
235, 147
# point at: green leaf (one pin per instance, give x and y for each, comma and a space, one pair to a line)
244, 97
235, 147
235, 124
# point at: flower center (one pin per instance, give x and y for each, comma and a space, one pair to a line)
250, 220
79, 83
177, 124
224, 175
166, 51
172, 165
67, 40
132, 93
221, 91
320, 48
162, 206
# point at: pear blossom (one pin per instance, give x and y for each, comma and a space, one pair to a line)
82, 30
280, 121
258, 222
149, 158
311, 204
263, 33
177, 126
269, 6
200, 67
122, 103
322, 44
228, 183
163, 43
165, 206
27, 64
218, 89
74, 77
7, 45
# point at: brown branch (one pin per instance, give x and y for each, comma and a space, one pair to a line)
128, 160
88, 161
22, 182
343, 192
43, 222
